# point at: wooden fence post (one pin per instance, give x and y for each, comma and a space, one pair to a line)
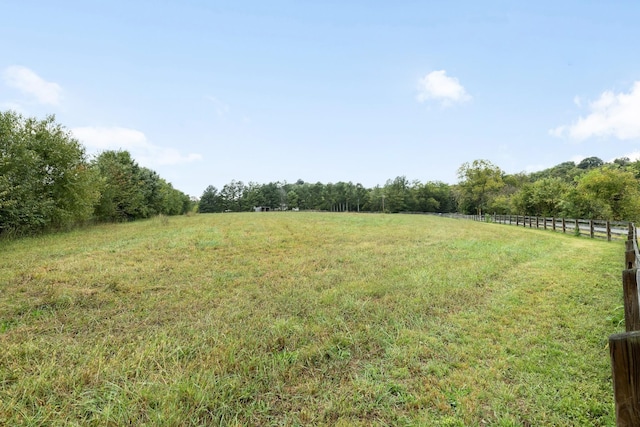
631, 303
630, 255
591, 229
553, 219
625, 364
564, 226
577, 229
608, 231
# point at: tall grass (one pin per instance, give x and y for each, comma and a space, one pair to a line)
307, 319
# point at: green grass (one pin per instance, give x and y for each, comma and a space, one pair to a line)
308, 319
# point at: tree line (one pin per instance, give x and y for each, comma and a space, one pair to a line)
396, 195
590, 189
47, 182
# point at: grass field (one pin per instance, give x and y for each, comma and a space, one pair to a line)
308, 319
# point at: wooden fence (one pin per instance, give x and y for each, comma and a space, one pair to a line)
625, 348
596, 229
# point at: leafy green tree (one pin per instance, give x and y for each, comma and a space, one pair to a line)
292, 199
253, 196
122, 189
272, 195
522, 201
547, 197
608, 193
329, 198
231, 195
303, 194
622, 161
361, 196
174, 202
479, 182
375, 202
433, 197
45, 181
567, 171
590, 163
210, 201
153, 191
398, 195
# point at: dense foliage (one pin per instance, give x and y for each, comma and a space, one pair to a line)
128, 191
590, 189
398, 195
48, 183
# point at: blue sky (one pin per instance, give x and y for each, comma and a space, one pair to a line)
204, 92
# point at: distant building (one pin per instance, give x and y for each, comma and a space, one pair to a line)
261, 209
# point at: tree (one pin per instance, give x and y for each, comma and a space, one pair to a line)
122, 195
479, 181
608, 193
209, 201
590, 163
548, 196
398, 195
45, 181
361, 195
433, 197
253, 196
231, 195
567, 171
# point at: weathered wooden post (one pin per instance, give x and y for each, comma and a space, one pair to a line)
625, 348
553, 223
591, 229
577, 229
629, 255
608, 231
564, 226
625, 364
631, 302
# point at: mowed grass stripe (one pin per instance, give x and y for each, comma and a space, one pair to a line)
307, 319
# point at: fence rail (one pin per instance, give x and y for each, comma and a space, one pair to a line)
594, 228
624, 348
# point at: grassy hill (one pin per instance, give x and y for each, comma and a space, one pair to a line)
308, 319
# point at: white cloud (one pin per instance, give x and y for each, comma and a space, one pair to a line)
28, 82
98, 139
437, 85
612, 115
